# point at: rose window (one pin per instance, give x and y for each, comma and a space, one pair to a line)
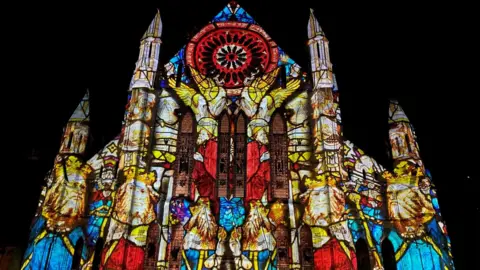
232, 53
231, 56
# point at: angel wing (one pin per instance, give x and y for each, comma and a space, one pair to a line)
204, 83
280, 94
260, 85
207, 86
185, 92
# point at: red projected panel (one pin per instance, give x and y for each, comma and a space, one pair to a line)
232, 53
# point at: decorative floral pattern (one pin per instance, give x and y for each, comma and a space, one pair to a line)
231, 53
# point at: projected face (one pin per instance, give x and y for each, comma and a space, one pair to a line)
65, 201
324, 205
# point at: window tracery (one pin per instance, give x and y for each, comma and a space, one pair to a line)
279, 157
223, 155
240, 158
186, 146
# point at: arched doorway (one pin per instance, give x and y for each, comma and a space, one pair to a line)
388, 255
77, 255
363, 258
282, 237
151, 253
97, 257
175, 247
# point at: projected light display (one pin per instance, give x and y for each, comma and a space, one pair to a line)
58, 233
232, 52
235, 159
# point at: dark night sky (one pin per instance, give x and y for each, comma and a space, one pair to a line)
405, 51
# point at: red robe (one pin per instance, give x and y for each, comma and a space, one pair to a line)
258, 173
125, 255
332, 256
204, 173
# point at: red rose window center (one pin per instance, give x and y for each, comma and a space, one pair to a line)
231, 56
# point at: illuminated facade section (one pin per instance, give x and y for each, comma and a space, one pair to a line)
319, 54
57, 232
147, 63
234, 159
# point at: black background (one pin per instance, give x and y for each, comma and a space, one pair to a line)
416, 53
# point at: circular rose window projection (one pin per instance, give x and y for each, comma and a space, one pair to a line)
232, 53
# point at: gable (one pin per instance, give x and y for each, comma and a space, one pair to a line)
232, 49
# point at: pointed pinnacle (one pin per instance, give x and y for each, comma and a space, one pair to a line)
314, 28
396, 113
82, 112
155, 28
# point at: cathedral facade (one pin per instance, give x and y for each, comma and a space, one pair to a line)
231, 156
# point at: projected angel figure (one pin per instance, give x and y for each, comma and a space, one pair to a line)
259, 245
232, 216
234, 246
200, 240
206, 103
259, 103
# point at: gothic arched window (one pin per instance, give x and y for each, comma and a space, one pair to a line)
363, 258
282, 237
399, 146
89, 191
185, 150
176, 243
279, 158
77, 255
240, 156
153, 237
70, 138
407, 142
388, 255
223, 155
306, 248
98, 254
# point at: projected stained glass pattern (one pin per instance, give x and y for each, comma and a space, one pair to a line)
234, 158
299, 167
364, 200
134, 211
325, 195
411, 201
134, 206
57, 236
419, 237
59, 226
